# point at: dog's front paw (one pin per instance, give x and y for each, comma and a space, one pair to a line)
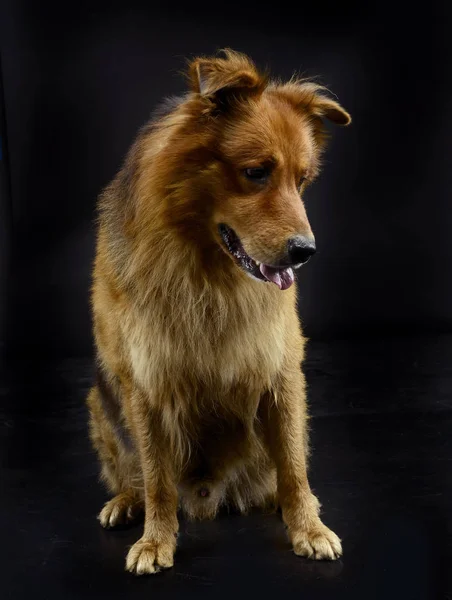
148, 556
318, 543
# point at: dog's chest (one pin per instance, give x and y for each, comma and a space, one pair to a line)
224, 353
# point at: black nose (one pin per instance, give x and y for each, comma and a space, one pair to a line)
300, 249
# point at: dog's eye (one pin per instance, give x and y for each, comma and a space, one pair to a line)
258, 174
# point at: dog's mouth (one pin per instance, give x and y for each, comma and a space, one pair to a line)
283, 277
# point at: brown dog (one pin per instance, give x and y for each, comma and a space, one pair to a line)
200, 400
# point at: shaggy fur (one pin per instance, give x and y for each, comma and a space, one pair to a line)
200, 400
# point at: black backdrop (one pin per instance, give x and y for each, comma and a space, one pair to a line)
79, 79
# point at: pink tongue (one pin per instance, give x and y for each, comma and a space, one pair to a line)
282, 277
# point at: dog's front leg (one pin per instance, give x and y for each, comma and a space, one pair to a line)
155, 550
287, 435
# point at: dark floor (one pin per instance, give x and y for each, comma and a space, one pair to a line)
381, 464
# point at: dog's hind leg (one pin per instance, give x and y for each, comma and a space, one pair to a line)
124, 508
119, 468
254, 487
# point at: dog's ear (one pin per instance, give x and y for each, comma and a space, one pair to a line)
311, 99
325, 107
232, 74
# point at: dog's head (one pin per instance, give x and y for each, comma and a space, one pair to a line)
266, 139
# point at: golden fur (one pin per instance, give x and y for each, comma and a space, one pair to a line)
200, 400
